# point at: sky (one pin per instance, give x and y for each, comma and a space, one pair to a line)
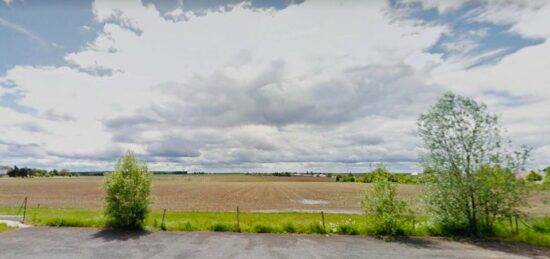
261, 85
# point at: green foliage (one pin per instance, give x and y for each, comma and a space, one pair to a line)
533, 177
546, 181
34, 172
369, 177
346, 229
223, 227
317, 228
386, 213
263, 228
127, 193
470, 183
533, 231
288, 227
542, 225
345, 178
4, 227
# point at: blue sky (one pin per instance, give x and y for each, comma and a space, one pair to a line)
259, 85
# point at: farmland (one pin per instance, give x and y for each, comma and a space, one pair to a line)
217, 193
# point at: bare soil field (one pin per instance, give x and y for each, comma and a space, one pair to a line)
216, 193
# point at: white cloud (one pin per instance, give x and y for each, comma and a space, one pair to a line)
441, 6
320, 85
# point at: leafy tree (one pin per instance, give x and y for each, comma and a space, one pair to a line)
533, 177
14, 172
382, 207
469, 164
128, 190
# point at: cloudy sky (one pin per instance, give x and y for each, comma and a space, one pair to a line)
261, 85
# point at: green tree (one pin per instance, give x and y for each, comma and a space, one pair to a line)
386, 213
127, 193
533, 177
468, 160
13, 172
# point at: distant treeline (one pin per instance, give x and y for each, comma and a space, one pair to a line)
288, 174
370, 177
100, 173
34, 172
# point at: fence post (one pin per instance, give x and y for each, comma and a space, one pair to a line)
323, 218
24, 210
162, 223
238, 220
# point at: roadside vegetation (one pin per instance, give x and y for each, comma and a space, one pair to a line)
385, 212
127, 193
535, 231
4, 227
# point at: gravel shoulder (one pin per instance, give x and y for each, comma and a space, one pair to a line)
44, 242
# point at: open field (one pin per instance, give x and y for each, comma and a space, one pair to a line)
215, 193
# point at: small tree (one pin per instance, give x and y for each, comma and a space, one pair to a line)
386, 213
470, 182
127, 193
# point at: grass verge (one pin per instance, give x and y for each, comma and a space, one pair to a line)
534, 231
288, 222
4, 227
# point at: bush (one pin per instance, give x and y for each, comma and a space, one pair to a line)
260, 228
387, 214
542, 226
345, 229
128, 190
289, 227
316, 227
4, 227
533, 177
223, 227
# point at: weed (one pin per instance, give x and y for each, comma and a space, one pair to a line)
288, 227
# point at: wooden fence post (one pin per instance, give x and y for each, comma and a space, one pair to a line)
238, 220
24, 210
323, 218
162, 223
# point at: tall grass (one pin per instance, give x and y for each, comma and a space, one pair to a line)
535, 231
4, 227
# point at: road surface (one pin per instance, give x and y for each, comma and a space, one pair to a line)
43, 242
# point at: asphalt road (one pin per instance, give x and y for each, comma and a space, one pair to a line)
41, 242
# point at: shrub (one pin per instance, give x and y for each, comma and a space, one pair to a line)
128, 190
289, 227
345, 229
382, 207
542, 226
316, 227
260, 228
222, 227
4, 227
533, 177
187, 226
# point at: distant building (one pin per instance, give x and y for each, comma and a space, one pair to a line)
4, 170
